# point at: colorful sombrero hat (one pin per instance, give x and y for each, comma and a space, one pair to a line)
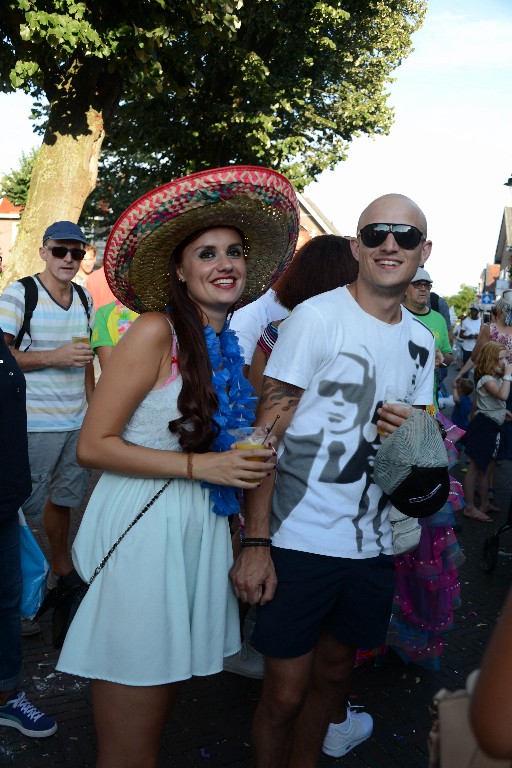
259, 201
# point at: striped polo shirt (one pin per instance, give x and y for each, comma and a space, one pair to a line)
55, 396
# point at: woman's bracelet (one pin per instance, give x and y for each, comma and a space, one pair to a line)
507, 377
251, 542
190, 468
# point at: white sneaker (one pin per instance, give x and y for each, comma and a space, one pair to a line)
247, 662
342, 737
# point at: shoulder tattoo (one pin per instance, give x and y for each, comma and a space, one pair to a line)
275, 392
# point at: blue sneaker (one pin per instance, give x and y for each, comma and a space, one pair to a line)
21, 714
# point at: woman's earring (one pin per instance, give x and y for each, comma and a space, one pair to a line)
181, 280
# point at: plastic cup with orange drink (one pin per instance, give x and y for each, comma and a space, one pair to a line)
247, 438
82, 337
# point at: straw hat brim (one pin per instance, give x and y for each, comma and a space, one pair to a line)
258, 201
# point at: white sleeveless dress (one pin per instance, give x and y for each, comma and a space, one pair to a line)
162, 609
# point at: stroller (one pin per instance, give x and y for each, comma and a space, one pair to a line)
492, 543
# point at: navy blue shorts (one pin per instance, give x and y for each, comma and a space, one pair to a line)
482, 440
349, 599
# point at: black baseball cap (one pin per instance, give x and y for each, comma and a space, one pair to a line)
411, 466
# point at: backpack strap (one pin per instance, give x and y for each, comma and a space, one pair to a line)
31, 296
83, 299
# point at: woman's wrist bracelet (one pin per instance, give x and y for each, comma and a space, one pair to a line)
507, 377
190, 468
252, 542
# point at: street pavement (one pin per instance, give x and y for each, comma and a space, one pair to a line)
211, 724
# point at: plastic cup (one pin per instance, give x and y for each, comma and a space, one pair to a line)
247, 438
80, 339
396, 395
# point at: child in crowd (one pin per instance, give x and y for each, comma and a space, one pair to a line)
462, 391
493, 375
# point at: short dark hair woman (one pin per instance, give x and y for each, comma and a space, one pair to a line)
325, 262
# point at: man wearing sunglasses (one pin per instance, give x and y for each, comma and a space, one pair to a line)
317, 554
54, 353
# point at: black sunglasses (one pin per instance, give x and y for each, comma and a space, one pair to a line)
61, 251
406, 236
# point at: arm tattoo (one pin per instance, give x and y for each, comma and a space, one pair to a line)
281, 393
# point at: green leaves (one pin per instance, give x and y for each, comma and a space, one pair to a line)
16, 182
202, 83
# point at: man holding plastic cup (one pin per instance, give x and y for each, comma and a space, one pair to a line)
59, 376
324, 584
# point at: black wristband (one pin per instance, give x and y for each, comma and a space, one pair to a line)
252, 542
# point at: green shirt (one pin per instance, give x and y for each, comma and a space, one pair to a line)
112, 320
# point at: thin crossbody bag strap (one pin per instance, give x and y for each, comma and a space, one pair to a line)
136, 520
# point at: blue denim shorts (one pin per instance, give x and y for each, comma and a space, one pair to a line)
55, 472
349, 599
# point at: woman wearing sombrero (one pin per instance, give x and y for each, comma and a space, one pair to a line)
161, 609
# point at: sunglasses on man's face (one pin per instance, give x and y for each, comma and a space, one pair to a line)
406, 236
61, 251
422, 285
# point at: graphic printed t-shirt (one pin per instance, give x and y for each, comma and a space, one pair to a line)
55, 396
325, 500
112, 320
435, 322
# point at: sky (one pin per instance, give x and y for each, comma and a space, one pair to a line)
449, 149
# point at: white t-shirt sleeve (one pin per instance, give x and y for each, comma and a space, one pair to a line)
12, 308
425, 382
249, 322
301, 347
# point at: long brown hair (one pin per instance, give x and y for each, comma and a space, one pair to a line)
488, 359
197, 401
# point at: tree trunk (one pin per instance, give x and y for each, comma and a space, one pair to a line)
67, 164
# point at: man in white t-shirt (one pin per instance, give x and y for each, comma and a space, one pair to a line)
56, 358
325, 586
469, 330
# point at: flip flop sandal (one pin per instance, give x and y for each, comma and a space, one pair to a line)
480, 516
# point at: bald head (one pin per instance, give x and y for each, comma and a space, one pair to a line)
393, 209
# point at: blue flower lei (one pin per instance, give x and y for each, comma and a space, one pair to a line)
236, 406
